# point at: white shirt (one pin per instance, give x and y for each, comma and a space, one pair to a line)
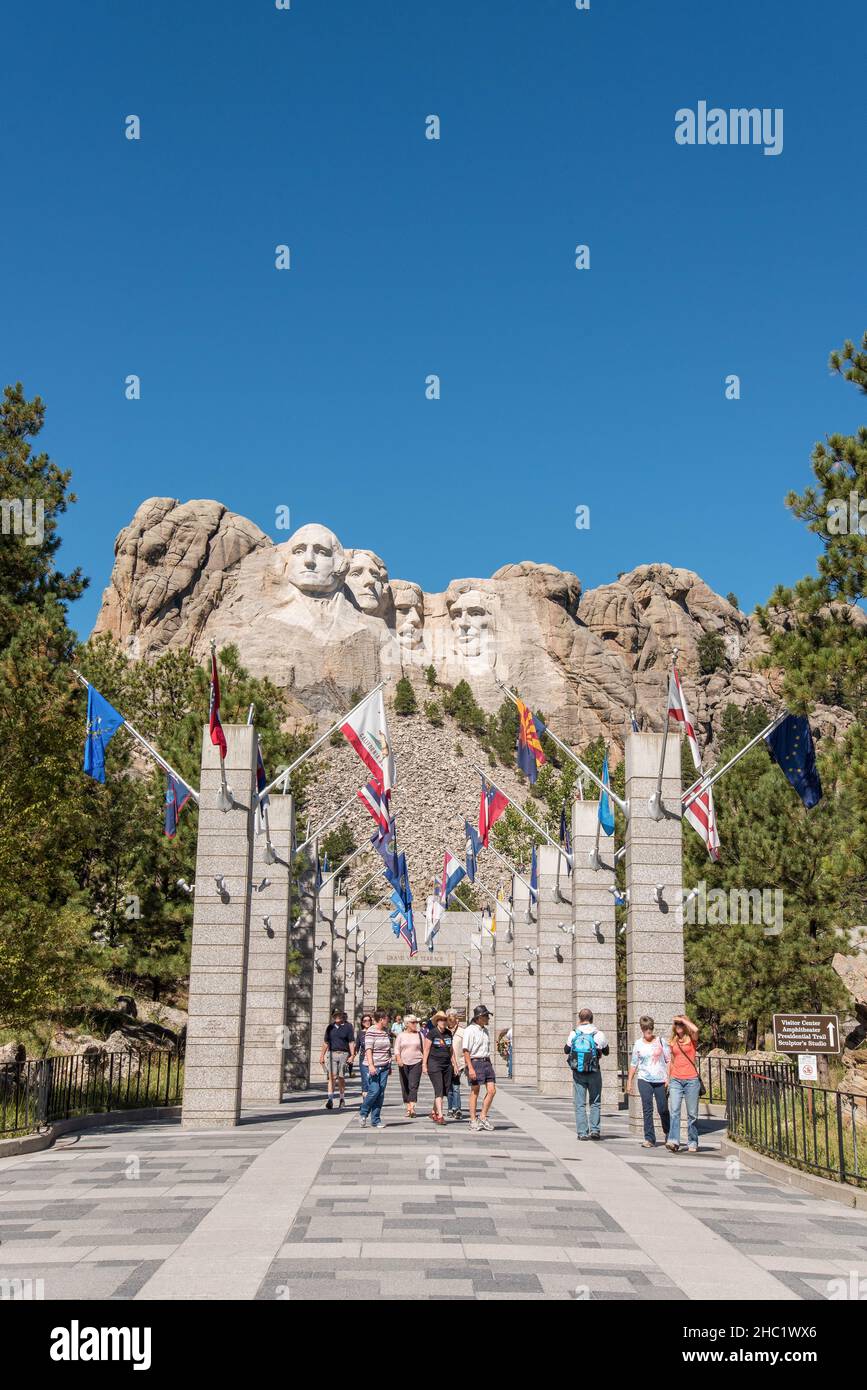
477, 1041
601, 1040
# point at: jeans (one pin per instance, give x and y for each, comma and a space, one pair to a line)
679, 1091
509, 1063
651, 1091
587, 1087
454, 1100
375, 1095
365, 1076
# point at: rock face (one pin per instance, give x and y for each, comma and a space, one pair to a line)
324, 622
853, 972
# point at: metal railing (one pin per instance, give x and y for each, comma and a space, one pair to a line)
808, 1127
34, 1095
712, 1071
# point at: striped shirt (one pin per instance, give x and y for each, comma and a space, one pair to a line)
379, 1044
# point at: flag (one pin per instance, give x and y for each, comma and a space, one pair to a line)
677, 710
397, 918
580, 788
325, 863
367, 731
376, 802
453, 872
385, 844
474, 844
534, 878
491, 807
218, 738
432, 915
529, 749
103, 722
403, 880
318, 873
262, 802
499, 910
606, 813
565, 836
407, 932
701, 816
791, 747
177, 796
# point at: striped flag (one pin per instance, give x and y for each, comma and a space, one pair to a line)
491, 807
677, 710
365, 728
376, 802
453, 872
700, 812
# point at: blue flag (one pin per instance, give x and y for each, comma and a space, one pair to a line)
534, 878
791, 747
177, 796
606, 814
474, 844
103, 721
565, 836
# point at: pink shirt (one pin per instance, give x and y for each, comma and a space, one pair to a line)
408, 1048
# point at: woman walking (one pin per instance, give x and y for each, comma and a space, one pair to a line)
437, 1063
456, 1029
366, 1022
684, 1082
409, 1054
650, 1058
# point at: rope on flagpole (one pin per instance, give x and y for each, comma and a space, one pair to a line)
618, 801
283, 777
151, 751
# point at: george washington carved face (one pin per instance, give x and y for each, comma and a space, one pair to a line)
317, 561
472, 621
367, 577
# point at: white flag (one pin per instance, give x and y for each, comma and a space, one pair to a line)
432, 913
702, 817
367, 731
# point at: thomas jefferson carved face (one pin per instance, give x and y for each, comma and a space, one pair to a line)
317, 561
472, 622
367, 578
409, 614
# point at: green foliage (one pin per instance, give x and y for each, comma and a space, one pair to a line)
407, 989
338, 844
404, 697
461, 704
711, 652
430, 676
433, 713
733, 600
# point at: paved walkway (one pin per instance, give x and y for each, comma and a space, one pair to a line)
303, 1203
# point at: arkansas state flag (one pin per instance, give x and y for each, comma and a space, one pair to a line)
218, 738
491, 807
365, 728
529, 750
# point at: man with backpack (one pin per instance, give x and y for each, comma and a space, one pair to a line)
584, 1046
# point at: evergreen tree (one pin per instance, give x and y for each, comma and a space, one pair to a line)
404, 697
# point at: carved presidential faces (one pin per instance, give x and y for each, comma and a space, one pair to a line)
408, 614
317, 562
472, 622
367, 577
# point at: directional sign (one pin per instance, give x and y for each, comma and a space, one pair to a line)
809, 1033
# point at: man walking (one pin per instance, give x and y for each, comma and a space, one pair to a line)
480, 1071
377, 1054
584, 1046
339, 1045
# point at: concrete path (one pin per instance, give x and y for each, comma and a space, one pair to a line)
303, 1203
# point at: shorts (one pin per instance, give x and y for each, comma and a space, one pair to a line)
484, 1070
338, 1063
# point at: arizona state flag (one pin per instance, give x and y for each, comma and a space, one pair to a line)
529, 750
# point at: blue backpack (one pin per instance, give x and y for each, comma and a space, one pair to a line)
584, 1054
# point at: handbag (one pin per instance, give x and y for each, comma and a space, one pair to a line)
702, 1089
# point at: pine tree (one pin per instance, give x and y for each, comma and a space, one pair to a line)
404, 697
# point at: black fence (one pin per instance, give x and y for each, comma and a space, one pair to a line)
820, 1131
34, 1095
713, 1072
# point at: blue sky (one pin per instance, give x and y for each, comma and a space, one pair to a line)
306, 388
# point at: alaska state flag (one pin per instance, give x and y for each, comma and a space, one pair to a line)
103, 722
606, 814
177, 796
791, 746
529, 750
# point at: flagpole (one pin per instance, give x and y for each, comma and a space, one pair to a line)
707, 779
467, 908
495, 899
319, 829
655, 807
594, 855
510, 867
348, 860
287, 771
359, 891
618, 801
225, 800
158, 759
528, 819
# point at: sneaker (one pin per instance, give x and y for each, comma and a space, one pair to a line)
485, 1124
582, 1136
475, 1126
378, 1124
342, 1105
329, 1104
596, 1134
362, 1120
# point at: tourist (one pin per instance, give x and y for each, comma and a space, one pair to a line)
584, 1046
397, 1026
339, 1044
684, 1082
366, 1022
650, 1059
457, 1032
437, 1063
377, 1054
480, 1070
409, 1053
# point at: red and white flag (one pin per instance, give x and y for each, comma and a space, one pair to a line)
366, 729
492, 805
677, 710
702, 817
376, 802
218, 738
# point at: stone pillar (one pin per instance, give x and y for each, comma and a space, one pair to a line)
218, 960
524, 989
654, 934
489, 991
554, 995
299, 986
350, 967
595, 963
460, 983
474, 947
323, 974
267, 960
